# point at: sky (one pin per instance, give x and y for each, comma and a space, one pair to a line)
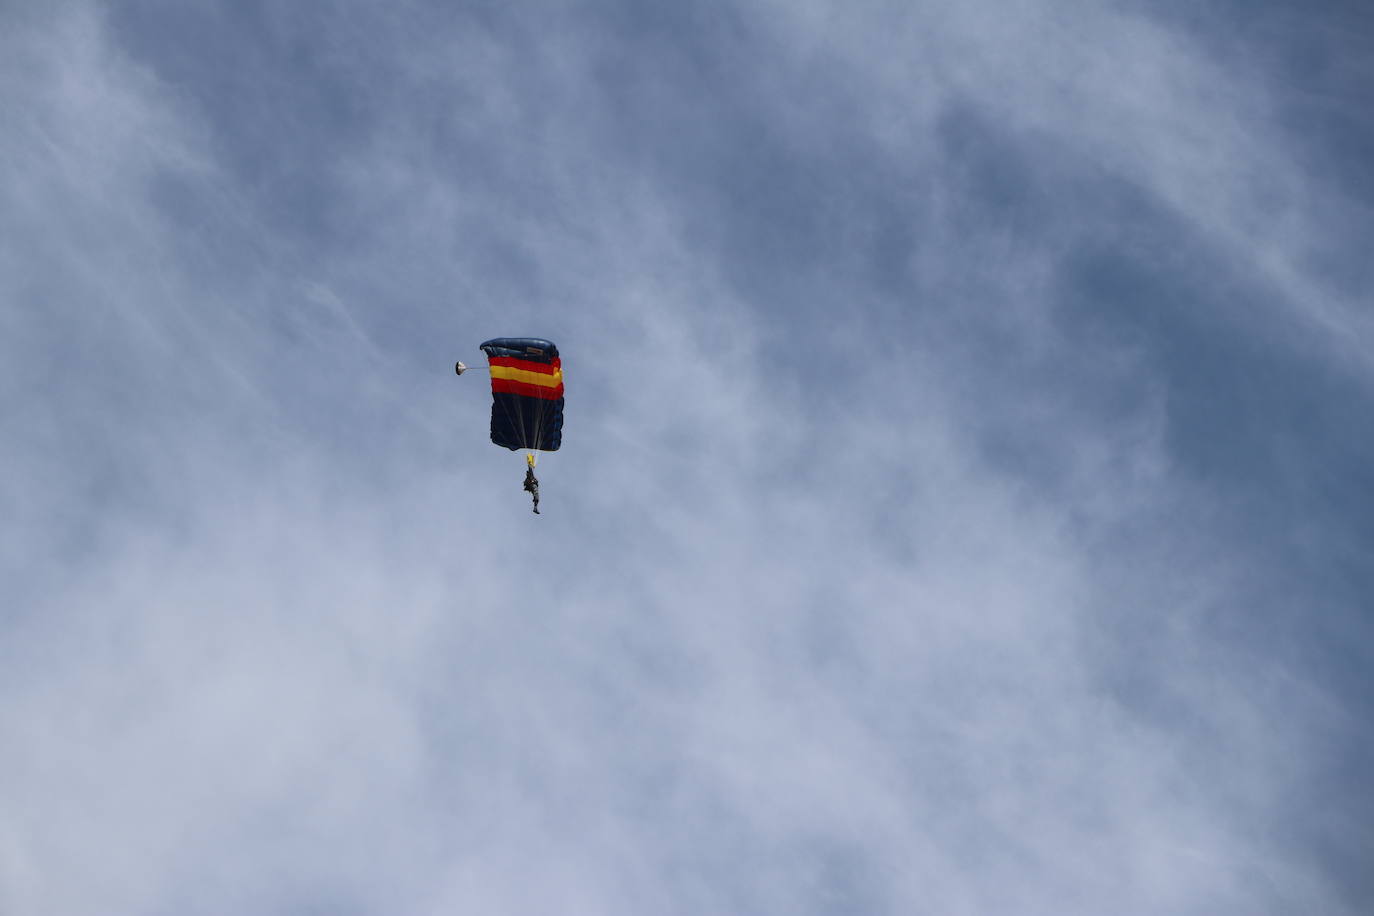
966, 499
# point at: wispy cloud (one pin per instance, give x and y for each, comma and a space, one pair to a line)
885, 565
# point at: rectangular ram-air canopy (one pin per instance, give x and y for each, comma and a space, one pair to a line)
527, 393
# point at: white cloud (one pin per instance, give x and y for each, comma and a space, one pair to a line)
795, 633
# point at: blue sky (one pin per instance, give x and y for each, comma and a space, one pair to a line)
965, 503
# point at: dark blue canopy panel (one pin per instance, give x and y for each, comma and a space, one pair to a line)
534, 349
527, 393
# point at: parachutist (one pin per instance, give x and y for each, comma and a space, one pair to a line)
532, 487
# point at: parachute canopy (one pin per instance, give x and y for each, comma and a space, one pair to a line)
526, 392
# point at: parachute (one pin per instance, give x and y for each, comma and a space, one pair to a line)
526, 392
526, 398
